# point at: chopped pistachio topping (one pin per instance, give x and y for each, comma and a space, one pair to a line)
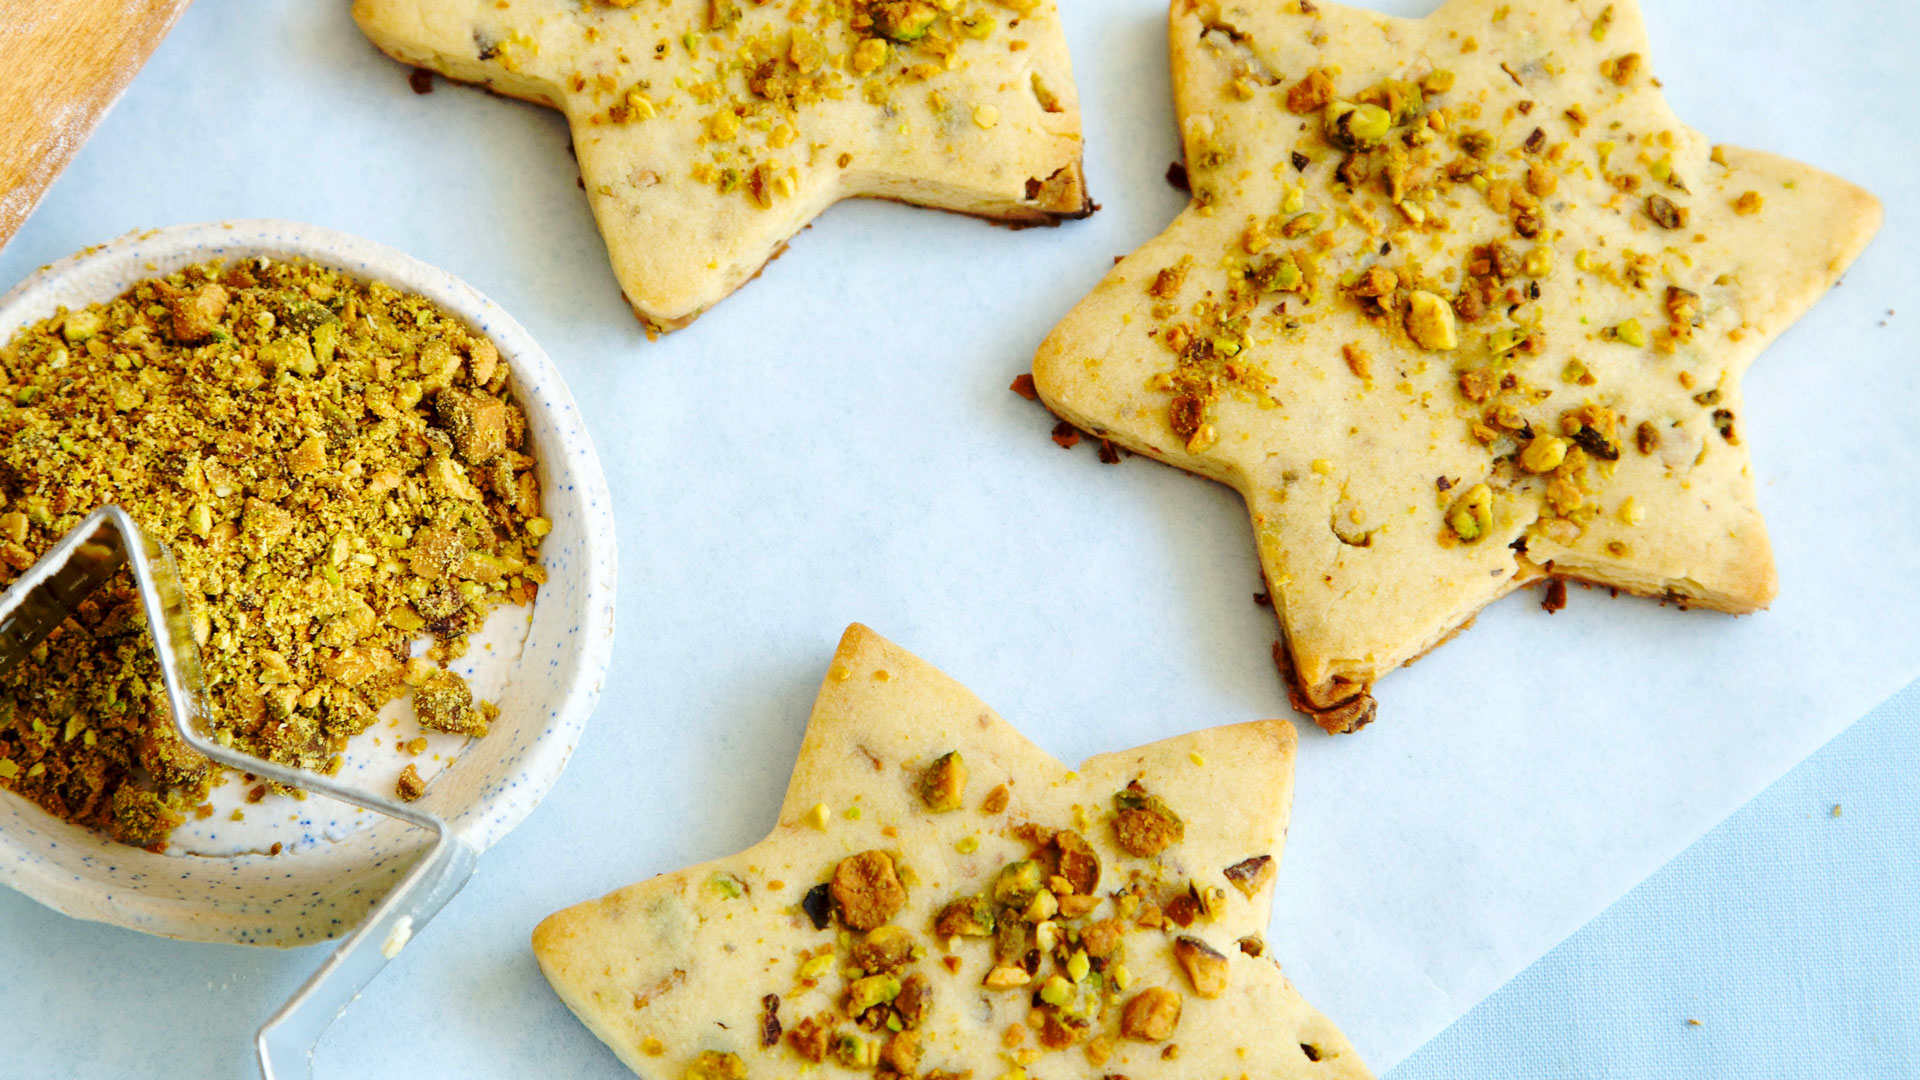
1018, 883
943, 786
1631, 333
1151, 1015
970, 916
1544, 454
902, 20
866, 891
871, 990
1205, 966
1430, 321
1471, 516
1357, 127
1252, 875
1143, 824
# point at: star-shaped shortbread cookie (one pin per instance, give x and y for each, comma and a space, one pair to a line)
708, 132
1458, 303
942, 899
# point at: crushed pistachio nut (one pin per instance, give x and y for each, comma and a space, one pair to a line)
1646, 437
885, 948
866, 992
1006, 977
410, 786
1018, 883
865, 890
1057, 991
902, 20
996, 800
1430, 321
1544, 453
1252, 875
1151, 1015
1356, 127
1665, 213
1144, 826
1631, 333
943, 785
1079, 863
816, 966
869, 55
1311, 94
1205, 966
445, 703
969, 916
1471, 516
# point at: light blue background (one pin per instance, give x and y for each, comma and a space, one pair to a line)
1792, 935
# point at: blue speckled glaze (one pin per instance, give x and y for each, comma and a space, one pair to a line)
322, 888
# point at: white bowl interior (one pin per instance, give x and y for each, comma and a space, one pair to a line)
334, 867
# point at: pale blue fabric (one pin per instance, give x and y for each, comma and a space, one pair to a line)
1791, 935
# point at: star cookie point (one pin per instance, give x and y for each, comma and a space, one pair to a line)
1458, 304
940, 896
708, 134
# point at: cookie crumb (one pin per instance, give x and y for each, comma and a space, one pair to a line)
1556, 596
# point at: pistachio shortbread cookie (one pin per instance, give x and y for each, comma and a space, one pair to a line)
708, 132
1458, 303
942, 899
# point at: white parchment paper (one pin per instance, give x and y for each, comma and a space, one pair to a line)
836, 443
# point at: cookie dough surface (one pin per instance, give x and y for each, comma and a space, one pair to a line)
915, 817
1458, 303
708, 132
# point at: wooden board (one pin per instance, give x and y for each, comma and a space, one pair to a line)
63, 63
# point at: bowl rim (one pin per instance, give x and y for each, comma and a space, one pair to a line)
500, 807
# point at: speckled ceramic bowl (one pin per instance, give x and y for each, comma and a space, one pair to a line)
336, 861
